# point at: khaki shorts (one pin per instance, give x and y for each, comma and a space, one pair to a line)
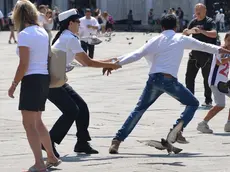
219, 97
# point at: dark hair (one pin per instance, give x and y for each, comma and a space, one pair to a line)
169, 22
41, 7
227, 35
63, 26
88, 10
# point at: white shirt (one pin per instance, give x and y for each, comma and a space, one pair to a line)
37, 40
104, 21
218, 72
49, 26
69, 43
164, 52
1, 15
41, 19
85, 32
218, 17
222, 20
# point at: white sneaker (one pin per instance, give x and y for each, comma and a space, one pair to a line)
227, 127
204, 128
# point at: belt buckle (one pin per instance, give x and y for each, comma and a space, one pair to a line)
167, 75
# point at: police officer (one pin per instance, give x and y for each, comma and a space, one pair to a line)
204, 29
68, 101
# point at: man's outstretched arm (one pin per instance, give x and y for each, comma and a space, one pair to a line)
193, 44
134, 56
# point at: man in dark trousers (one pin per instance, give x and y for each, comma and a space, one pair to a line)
204, 29
89, 27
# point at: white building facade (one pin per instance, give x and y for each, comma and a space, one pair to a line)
120, 8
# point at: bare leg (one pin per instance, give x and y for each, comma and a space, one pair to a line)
229, 115
103, 29
13, 35
29, 123
10, 36
213, 112
45, 138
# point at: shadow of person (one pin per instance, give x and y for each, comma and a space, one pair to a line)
177, 164
221, 134
84, 157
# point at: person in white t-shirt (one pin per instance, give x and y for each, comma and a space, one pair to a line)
88, 27
164, 54
70, 103
218, 73
42, 19
33, 74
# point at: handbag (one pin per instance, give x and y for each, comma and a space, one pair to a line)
94, 40
57, 68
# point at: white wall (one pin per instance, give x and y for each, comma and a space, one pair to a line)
119, 8
61, 4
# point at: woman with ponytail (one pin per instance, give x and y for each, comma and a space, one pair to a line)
68, 101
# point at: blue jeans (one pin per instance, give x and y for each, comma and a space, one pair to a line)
156, 85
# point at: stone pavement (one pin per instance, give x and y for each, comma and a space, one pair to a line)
110, 100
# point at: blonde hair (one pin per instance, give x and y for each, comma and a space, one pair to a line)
105, 14
24, 13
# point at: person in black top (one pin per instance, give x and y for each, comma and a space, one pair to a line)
202, 28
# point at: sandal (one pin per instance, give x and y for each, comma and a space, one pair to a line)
34, 169
53, 164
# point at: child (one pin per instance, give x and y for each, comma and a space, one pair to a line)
218, 72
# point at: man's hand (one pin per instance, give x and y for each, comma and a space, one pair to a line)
188, 32
89, 26
109, 60
197, 30
223, 61
224, 51
185, 32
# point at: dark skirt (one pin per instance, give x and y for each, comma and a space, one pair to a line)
34, 92
108, 26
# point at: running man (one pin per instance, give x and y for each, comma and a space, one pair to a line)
164, 54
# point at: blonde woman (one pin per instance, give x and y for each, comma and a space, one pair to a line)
104, 18
33, 74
